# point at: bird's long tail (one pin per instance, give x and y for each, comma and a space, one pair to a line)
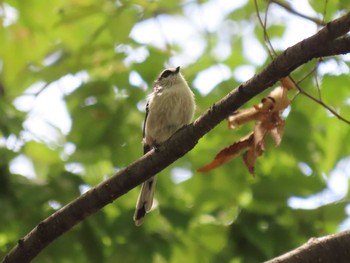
145, 200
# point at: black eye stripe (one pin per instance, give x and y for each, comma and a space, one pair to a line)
166, 73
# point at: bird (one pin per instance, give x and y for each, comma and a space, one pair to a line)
170, 106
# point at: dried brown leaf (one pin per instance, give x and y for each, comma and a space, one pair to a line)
267, 117
228, 153
266, 106
276, 101
287, 83
277, 133
249, 159
259, 138
242, 116
279, 94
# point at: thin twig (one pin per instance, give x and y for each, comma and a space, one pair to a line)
296, 83
268, 43
320, 102
36, 94
293, 11
307, 75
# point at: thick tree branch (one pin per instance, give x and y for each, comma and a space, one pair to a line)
332, 248
320, 44
338, 46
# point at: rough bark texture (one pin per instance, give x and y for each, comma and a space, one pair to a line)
328, 41
333, 248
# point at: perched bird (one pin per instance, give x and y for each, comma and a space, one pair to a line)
170, 106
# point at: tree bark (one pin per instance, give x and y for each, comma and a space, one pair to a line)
328, 249
328, 41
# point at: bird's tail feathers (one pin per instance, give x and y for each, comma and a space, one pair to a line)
145, 200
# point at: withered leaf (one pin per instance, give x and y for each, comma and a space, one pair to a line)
228, 153
277, 132
267, 117
242, 116
276, 101
249, 159
287, 83
279, 95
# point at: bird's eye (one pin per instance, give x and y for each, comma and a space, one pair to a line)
166, 73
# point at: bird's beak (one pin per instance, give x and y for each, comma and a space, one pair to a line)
177, 69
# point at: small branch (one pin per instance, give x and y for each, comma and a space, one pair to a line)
314, 69
324, 105
293, 11
332, 248
268, 43
44, 233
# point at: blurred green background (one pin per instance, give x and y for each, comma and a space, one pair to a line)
74, 76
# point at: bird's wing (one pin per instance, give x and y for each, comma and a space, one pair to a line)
146, 148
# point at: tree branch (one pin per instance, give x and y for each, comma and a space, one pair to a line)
183, 141
293, 11
332, 248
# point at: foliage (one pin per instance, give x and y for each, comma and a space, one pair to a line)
88, 56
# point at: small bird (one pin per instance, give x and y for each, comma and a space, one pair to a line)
170, 106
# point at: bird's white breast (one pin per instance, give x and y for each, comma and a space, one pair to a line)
169, 110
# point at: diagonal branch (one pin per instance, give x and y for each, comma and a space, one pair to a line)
183, 141
332, 248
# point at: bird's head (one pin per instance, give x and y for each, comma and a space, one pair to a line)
169, 77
